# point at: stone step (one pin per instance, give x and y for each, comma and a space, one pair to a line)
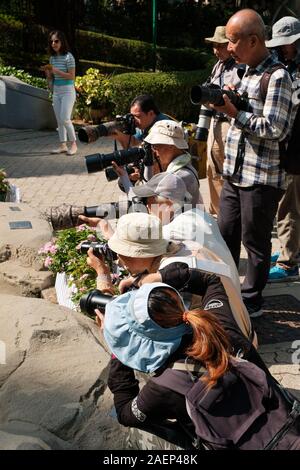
29, 281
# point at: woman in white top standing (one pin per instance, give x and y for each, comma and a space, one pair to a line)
60, 74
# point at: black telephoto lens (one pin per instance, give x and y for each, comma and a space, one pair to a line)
94, 299
98, 162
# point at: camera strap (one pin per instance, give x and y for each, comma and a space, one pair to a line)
240, 154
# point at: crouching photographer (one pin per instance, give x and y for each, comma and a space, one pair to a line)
143, 251
157, 330
129, 130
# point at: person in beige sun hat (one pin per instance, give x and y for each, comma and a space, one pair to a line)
223, 73
219, 36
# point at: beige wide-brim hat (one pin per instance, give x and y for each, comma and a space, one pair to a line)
219, 36
138, 235
284, 32
167, 132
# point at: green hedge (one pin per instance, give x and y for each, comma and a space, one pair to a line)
137, 54
111, 69
171, 91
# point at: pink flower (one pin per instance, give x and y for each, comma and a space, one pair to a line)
92, 238
80, 228
46, 248
48, 262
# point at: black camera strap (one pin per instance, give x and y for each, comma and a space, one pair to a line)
240, 154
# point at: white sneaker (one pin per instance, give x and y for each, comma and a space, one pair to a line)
72, 150
62, 149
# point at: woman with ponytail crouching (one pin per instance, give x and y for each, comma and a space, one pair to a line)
156, 331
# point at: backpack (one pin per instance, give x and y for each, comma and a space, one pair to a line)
245, 410
289, 148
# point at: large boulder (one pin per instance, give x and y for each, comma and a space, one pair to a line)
53, 372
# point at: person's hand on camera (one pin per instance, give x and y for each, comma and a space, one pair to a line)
98, 264
136, 175
99, 319
125, 284
120, 170
90, 221
228, 108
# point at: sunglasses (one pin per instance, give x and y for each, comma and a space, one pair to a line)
55, 41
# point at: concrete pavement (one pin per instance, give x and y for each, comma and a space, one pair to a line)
48, 180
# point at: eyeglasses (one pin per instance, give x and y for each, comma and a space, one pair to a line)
55, 41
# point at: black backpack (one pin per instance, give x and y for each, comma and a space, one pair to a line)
245, 410
289, 148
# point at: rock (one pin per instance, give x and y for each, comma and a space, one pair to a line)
22, 244
29, 281
50, 295
54, 379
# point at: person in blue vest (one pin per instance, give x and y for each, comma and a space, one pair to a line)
60, 74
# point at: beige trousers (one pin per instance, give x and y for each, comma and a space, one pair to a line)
288, 222
215, 159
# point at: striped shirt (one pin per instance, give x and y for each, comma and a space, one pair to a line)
263, 127
64, 63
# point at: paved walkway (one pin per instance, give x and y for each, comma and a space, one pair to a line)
49, 180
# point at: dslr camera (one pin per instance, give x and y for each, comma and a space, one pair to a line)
134, 156
125, 124
99, 249
213, 94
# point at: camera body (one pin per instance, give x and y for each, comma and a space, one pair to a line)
99, 249
125, 124
112, 175
213, 94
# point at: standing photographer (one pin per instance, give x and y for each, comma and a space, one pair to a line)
223, 73
255, 181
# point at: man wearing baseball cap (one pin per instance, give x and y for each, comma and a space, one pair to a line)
286, 40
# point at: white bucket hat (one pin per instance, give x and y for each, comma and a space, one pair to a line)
167, 132
285, 31
138, 235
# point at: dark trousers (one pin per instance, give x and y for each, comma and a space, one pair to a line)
247, 215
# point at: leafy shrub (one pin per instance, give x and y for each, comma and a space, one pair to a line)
93, 91
170, 90
24, 76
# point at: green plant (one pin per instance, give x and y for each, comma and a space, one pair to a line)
24, 76
93, 89
4, 184
62, 256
